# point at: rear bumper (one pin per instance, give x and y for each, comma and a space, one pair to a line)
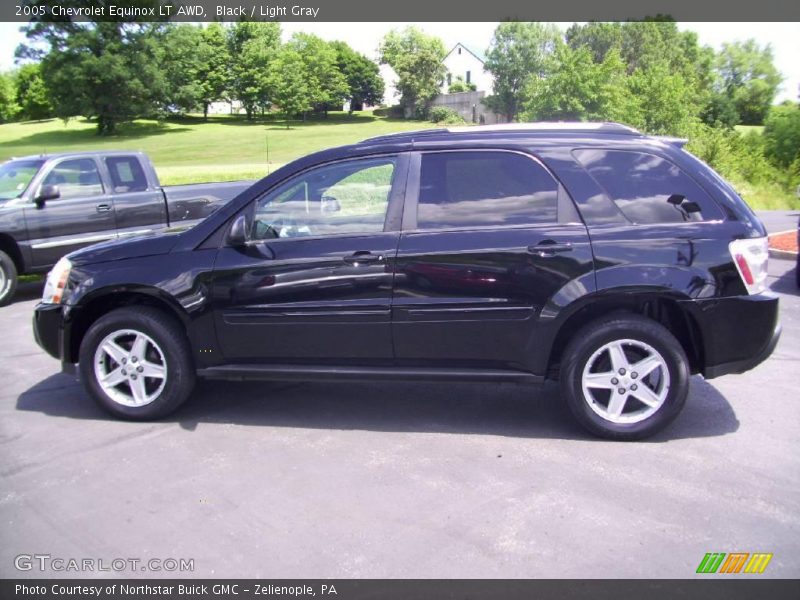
50, 334
745, 364
738, 332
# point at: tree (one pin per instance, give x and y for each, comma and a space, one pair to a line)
326, 84
749, 78
580, 89
213, 73
8, 104
417, 60
598, 38
667, 102
642, 44
289, 85
181, 57
518, 52
459, 85
363, 77
720, 110
109, 71
33, 97
252, 47
782, 135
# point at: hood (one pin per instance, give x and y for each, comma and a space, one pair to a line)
151, 244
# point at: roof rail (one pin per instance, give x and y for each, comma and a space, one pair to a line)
537, 127
555, 126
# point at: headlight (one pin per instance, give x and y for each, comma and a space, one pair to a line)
56, 282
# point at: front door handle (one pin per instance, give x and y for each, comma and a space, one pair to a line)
103, 208
549, 248
363, 257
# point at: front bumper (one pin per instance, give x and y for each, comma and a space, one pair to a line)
50, 333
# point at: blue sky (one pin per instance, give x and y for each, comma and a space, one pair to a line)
364, 37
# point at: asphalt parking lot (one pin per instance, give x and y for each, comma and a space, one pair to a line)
405, 480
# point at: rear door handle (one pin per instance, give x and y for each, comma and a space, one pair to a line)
363, 257
549, 248
103, 208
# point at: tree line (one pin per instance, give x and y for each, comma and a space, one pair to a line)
116, 72
647, 74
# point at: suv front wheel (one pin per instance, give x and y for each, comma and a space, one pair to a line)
624, 377
136, 363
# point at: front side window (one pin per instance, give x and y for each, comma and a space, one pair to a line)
350, 197
484, 189
76, 178
646, 188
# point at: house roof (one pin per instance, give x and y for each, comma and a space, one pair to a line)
479, 55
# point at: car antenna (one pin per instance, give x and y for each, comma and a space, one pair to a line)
266, 137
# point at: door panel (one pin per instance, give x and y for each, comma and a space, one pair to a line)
83, 215
305, 299
476, 296
314, 283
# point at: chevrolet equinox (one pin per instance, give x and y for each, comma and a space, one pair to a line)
613, 262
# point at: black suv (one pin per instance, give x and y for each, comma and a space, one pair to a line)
614, 262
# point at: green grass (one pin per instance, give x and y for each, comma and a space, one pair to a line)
767, 196
226, 148
189, 150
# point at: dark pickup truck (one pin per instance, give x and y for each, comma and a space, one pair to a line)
53, 204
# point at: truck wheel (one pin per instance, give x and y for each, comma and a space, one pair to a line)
624, 377
8, 278
136, 363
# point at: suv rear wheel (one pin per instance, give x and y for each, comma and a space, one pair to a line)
136, 363
624, 377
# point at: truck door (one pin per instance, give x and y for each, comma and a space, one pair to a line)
139, 204
83, 214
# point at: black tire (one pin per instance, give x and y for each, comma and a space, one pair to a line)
171, 341
8, 281
590, 339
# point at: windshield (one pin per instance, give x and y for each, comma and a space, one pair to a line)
16, 175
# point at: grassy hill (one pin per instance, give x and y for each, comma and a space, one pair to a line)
189, 150
225, 148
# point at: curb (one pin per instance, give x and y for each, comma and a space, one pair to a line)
785, 254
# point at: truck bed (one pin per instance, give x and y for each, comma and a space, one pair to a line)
187, 204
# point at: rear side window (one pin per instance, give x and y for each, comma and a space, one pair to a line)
484, 189
646, 188
127, 174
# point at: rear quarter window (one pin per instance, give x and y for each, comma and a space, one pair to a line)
646, 188
127, 174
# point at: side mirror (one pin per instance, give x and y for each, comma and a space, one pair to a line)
237, 234
46, 192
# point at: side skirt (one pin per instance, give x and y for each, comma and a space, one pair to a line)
337, 373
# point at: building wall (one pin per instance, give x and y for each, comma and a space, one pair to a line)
459, 64
470, 106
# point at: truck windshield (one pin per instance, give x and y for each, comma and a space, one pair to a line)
16, 175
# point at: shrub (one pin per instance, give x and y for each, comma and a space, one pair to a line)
782, 135
445, 116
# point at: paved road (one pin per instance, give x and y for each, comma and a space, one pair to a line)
404, 480
779, 220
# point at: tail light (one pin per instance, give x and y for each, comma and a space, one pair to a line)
750, 257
